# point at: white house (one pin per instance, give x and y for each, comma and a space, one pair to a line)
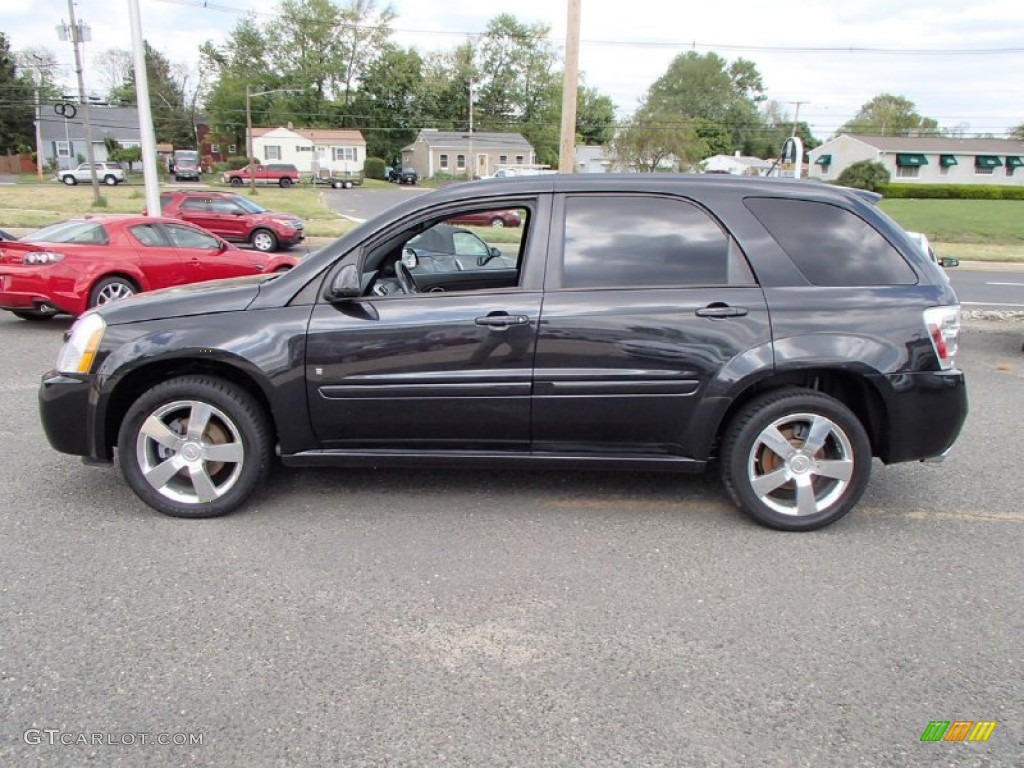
737, 165
925, 159
311, 150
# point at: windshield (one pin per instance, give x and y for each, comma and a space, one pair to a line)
248, 205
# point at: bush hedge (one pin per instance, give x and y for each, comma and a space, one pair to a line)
373, 168
951, 191
237, 163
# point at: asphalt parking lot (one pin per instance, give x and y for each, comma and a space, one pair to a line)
480, 618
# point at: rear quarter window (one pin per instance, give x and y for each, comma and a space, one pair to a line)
830, 245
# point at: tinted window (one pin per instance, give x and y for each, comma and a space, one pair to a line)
186, 237
195, 204
70, 232
625, 242
149, 235
830, 245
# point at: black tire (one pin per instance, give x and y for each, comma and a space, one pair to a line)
794, 495
35, 315
235, 181
110, 181
235, 420
282, 270
69, 180
263, 240
111, 289
285, 182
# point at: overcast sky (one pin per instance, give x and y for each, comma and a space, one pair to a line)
960, 62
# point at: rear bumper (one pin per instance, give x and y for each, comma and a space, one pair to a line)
22, 289
926, 412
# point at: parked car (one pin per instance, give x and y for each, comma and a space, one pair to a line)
110, 174
403, 175
82, 263
281, 174
496, 219
784, 332
185, 165
235, 218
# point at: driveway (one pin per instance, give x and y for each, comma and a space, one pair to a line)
360, 204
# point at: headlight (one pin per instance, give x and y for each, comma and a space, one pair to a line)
79, 351
42, 257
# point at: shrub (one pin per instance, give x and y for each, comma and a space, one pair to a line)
952, 191
866, 174
373, 168
237, 163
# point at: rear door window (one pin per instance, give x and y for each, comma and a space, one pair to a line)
830, 245
641, 241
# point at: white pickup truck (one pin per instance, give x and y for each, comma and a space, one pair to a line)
110, 174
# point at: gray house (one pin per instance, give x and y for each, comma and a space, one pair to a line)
64, 139
925, 159
458, 153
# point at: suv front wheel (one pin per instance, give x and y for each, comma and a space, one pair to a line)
795, 459
264, 240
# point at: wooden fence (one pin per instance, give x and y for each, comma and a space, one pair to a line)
17, 164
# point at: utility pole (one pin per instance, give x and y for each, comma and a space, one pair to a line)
796, 115
39, 118
567, 146
471, 165
78, 32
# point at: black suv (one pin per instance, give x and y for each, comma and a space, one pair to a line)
403, 175
788, 330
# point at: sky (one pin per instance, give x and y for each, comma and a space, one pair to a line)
961, 63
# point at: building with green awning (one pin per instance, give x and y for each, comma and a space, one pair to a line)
923, 159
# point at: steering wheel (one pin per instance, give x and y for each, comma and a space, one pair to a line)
405, 279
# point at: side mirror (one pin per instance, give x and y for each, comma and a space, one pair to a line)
492, 254
410, 259
495, 253
345, 285
947, 262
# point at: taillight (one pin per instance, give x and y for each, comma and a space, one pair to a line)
42, 257
943, 326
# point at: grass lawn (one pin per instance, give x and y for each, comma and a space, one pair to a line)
991, 222
37, 205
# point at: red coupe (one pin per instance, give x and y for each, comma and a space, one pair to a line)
82, 263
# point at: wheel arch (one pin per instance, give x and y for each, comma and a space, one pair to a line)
136, 279
128, 389
856, 390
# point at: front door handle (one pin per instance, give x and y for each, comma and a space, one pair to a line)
721, 310
502, 321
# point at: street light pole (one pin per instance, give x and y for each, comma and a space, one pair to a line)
472, 158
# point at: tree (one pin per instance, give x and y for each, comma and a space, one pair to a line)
363, 36
388, 103
650, 140
889, 115
865, 174
171, 121
40, 63
115, 68
17, 102
303, 51
1018, 132
705, 86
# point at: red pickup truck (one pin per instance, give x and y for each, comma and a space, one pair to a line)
282, 174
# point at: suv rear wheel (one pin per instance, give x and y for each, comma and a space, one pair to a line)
285, 182
69, 180
110, 180
795, 459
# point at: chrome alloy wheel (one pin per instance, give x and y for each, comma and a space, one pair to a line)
263, 241
114, 291
800, 464
190, 452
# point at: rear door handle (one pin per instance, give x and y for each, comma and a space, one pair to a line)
721, 310
502, 321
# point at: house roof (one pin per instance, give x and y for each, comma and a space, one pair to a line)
122, 123
481, 140
317, 135
940, 145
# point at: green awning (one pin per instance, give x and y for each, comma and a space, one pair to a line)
947, 160
987, 161
911, 160
1014, 161
824, 160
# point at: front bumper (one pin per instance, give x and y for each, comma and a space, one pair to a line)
68, 416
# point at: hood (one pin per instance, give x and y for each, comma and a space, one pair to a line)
232, 295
